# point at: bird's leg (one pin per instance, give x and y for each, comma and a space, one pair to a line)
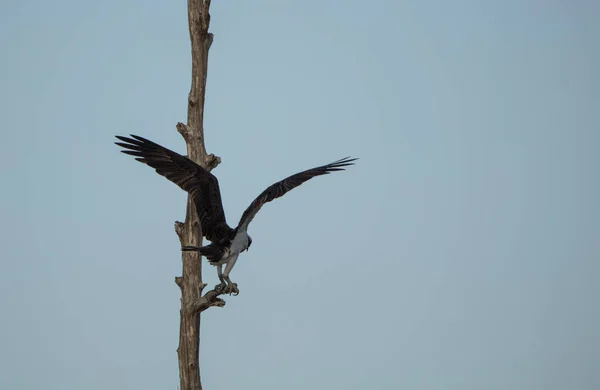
231, 287
190, 248
221, 285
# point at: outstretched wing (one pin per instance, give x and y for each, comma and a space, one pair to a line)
202, 185
281, 187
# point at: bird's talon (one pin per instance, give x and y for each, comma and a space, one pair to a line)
231, 289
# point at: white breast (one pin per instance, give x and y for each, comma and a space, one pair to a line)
240, 242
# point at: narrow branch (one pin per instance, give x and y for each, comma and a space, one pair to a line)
183, 130
210, 299
210, 161
179, 281
180, 230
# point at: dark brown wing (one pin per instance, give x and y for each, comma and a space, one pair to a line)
202, 185
281, 187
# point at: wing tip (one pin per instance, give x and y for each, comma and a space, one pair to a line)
341, 163
121, 138
134, 139
137, 137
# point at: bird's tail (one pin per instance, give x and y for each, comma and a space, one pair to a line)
212, 252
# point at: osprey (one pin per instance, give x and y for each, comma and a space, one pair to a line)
226, 243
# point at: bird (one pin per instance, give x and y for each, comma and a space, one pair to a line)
227, 243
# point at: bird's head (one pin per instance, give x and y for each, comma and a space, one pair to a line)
249, 242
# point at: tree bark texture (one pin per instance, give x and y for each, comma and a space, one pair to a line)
189, 232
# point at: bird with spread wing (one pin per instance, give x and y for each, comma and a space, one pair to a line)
226, 243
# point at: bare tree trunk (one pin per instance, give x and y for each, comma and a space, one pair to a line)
190, 283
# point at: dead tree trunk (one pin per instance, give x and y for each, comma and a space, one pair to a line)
189, 232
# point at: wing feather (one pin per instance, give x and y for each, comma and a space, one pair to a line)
282, 187
202, 185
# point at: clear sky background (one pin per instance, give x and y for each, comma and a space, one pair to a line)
461, 252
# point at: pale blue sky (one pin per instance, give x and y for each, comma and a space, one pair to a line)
460, 253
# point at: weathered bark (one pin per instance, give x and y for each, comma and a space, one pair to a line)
189, 232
